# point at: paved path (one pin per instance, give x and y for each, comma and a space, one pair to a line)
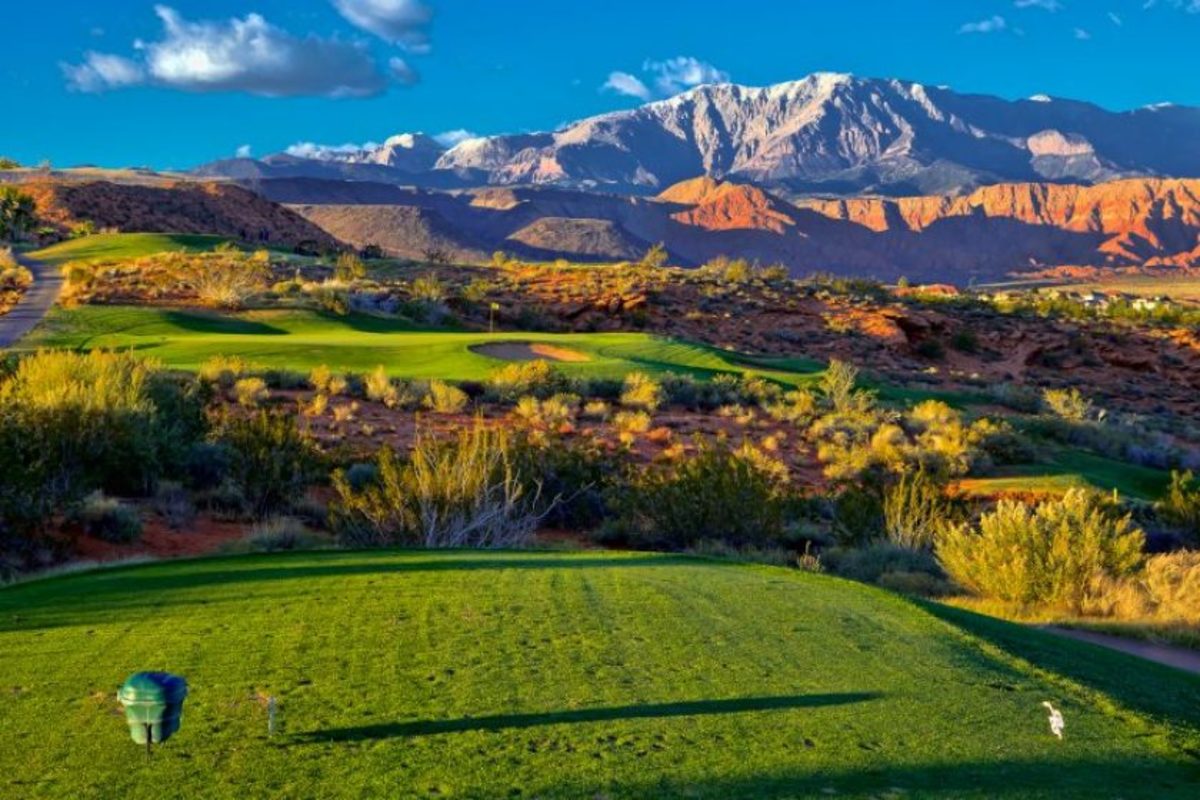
1178, 657
35, 303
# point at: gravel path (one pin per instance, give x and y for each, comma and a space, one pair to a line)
1178, 657
35, 303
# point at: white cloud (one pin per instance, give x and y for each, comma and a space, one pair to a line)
451, 138
1116, 19
241, 55
1045, 5
676, 75
402, 73
100, 71
1190, 6
401, 22
245, 151
668, 78
626, 84
1082, 34
994, 24
325, 151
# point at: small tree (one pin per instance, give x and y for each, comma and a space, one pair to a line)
656, 257
9, 163
18, 213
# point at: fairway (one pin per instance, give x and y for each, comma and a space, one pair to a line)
486, 674
301, 340
120, 246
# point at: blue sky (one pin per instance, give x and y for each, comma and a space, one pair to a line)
126, 82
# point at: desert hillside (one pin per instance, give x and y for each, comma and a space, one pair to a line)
174, 207
991, 234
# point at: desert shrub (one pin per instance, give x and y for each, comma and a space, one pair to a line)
173, 503
1000, 443
714, 494
227, 279
857, 515
281, 534
596, 410
873, 562
641, 391
462, 493
349, 267
1015, 396
271, 462
1043, 555
965, 341
108, 519
224, 371
573, 477
1172, 586
914, 510
797, 407
379, 388
428, 288
444, 398
839, 387
325, 381
206, 464
361, 475
1179, 507
536, 378
628, 424
552, 415
1067, 404
251, 392
97, 420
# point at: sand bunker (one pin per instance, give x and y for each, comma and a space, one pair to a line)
529, 351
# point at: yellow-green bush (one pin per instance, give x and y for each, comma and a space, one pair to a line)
1046, 555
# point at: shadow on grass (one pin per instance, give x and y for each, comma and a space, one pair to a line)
1059, 777
202, 322
1149, 689
692, 708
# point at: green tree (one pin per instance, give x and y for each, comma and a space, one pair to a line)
9, 163
18, 213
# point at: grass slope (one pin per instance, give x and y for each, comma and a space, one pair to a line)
1072, 469
300, 340
119, 246
565, 675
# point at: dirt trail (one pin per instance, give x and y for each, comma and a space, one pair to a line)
35, 303
1177, 657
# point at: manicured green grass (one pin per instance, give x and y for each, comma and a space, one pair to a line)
300, 340
119, 246
484, 674
1073, 469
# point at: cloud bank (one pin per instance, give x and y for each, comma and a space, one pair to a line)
240, 55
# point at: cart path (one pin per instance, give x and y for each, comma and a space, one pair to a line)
34, 304
1177, 657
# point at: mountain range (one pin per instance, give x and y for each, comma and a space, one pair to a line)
828, 133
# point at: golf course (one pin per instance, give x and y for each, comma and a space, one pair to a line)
461, 674
301, 339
